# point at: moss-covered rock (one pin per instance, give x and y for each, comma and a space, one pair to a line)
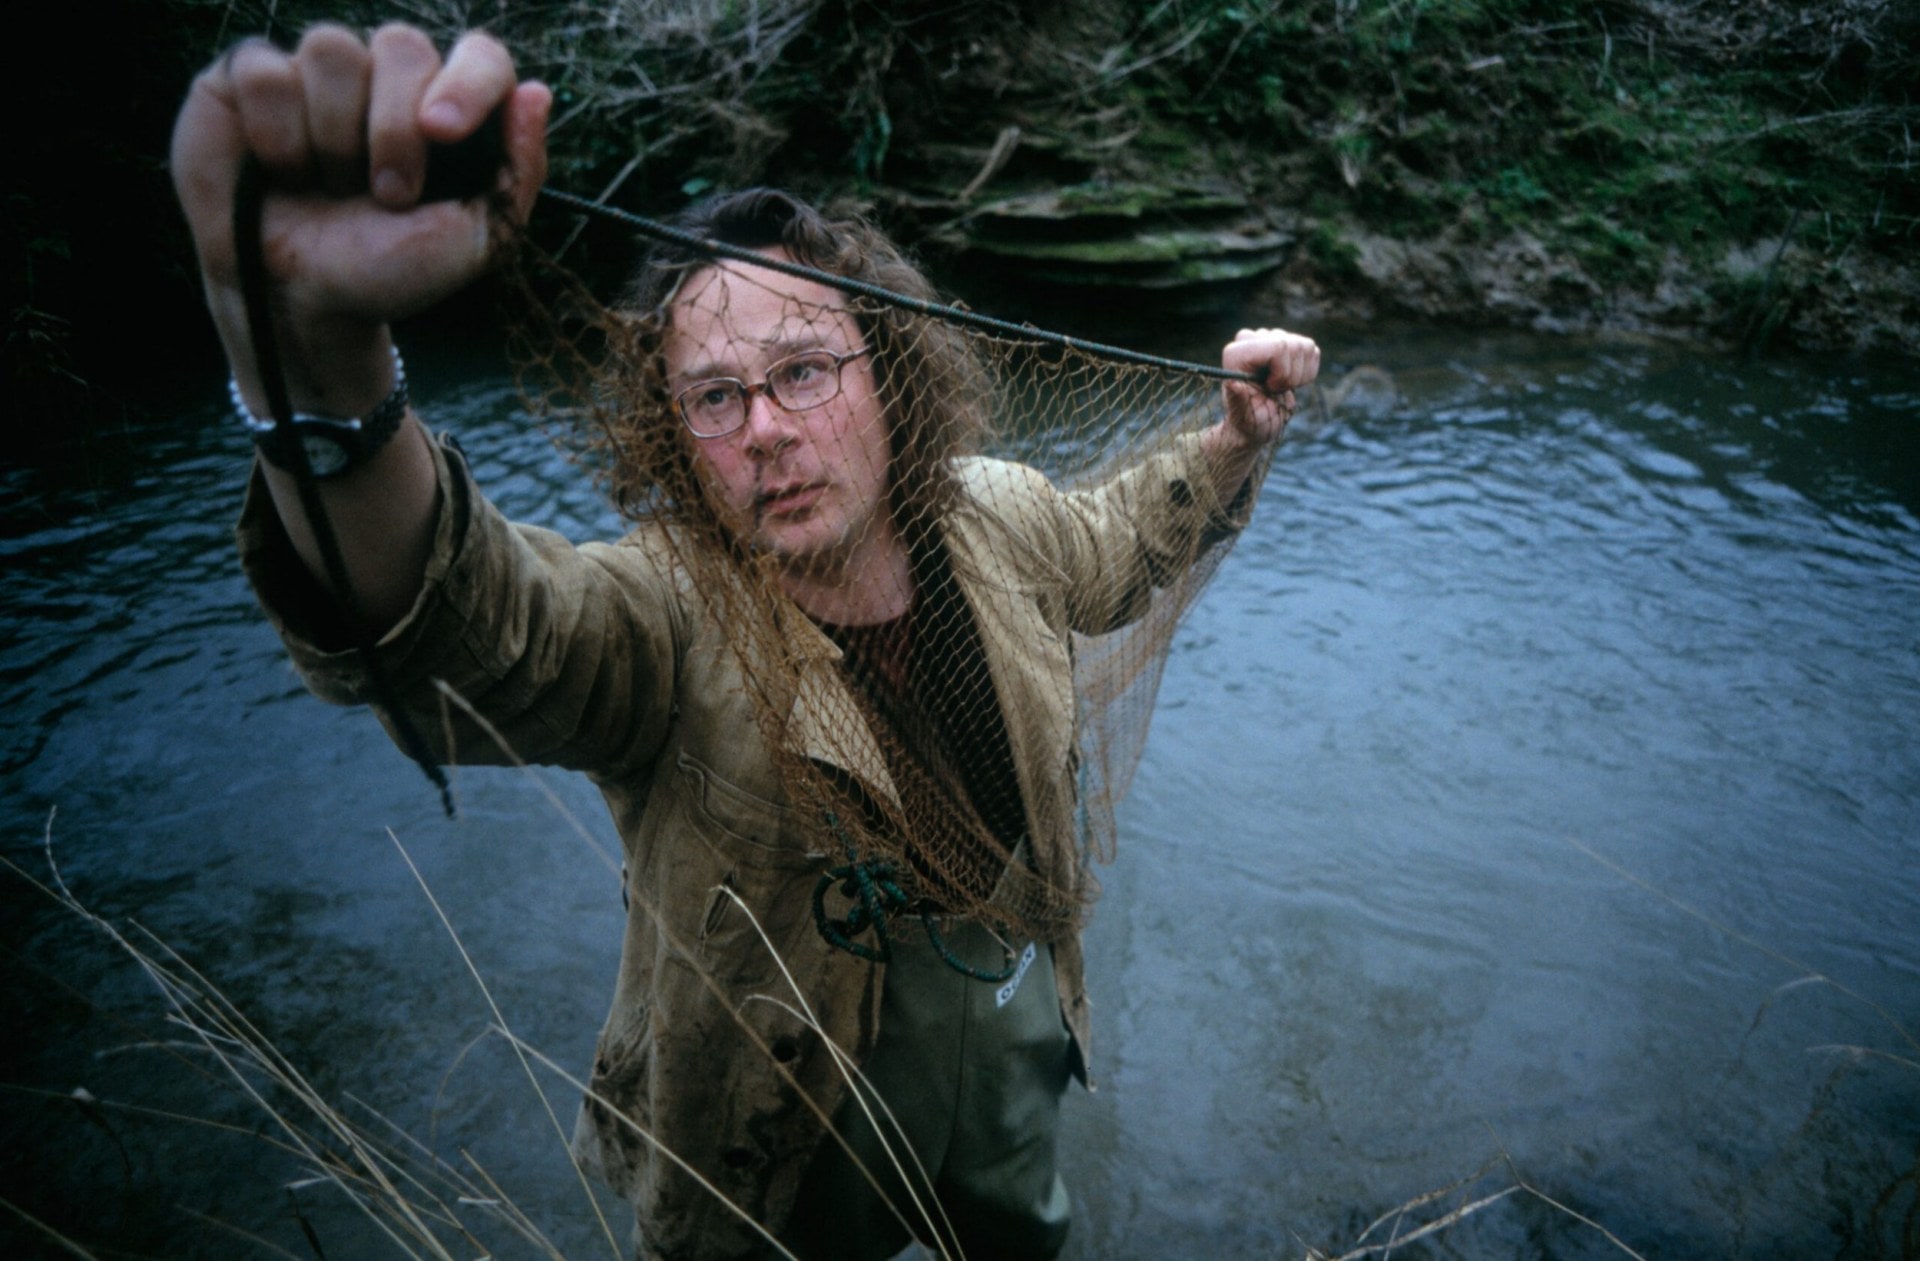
1132, 235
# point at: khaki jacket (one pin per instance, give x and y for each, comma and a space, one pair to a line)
715, 1056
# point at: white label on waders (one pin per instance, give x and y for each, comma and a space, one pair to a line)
1006, 992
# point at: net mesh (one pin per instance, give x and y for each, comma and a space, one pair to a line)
826, 517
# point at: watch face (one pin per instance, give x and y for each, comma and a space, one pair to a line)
324, 453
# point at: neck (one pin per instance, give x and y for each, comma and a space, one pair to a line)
873, 586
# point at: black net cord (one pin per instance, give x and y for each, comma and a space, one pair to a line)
952, 314
249, 203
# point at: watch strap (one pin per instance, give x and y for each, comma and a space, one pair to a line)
355, 440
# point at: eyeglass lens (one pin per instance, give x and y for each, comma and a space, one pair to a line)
798, 382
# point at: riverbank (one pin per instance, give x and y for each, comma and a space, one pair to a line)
1765, 294
1736, 174
1732, 174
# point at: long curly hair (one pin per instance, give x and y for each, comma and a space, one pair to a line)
935, 388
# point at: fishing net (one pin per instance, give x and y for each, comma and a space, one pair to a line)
867, 480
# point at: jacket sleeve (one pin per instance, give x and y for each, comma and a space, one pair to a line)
566, 654
1142, 529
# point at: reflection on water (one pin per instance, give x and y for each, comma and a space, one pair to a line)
1554, 719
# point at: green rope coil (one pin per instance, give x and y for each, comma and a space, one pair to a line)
873, 888
874, 892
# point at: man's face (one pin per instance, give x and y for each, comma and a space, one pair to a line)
809, 486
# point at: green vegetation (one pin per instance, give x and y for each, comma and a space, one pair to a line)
1634, 140
1742, 167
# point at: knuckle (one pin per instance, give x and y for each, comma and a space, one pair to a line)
481, 45
253, 64
402, 42
328, 39
338, 58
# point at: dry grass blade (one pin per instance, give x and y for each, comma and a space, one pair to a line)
257, 1242
1521, 1181
946, 1245
1438, 1224
1582, 1218
644, 1135
243, 1052
500, 1021
931, 1213
409, 1195
356, 1164
1453, 1217
216, 1025
45, 1231
501, 1205
135, 1109
1421, 1201
452, 699
1864, 1053
1812, 975
854, 1078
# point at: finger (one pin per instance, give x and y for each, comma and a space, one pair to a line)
1255, 353
526, 139
1304, 364
404, 62
209, 142
265, 92
477, 78
1281, 363
335, 73
1286, 361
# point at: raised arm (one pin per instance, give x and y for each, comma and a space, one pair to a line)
341, 129
1141, 529
1257, 416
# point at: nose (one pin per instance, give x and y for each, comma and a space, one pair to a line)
769, 426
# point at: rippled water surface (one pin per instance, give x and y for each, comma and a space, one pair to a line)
1536, 785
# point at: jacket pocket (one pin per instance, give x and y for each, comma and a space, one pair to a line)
739, 825
742, 886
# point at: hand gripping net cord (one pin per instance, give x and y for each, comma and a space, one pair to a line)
912, 776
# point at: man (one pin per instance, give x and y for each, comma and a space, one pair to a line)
841, 852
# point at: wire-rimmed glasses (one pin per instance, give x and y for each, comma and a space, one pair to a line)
718, 406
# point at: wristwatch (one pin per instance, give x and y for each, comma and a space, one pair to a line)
334, 445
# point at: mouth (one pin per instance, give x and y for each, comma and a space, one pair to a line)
787, 501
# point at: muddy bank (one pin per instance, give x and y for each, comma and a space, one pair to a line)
1766, 294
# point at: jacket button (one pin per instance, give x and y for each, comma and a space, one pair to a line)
737, 1157
785, 1048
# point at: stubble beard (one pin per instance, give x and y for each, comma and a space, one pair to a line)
839, 557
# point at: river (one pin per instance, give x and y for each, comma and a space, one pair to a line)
1531, 804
